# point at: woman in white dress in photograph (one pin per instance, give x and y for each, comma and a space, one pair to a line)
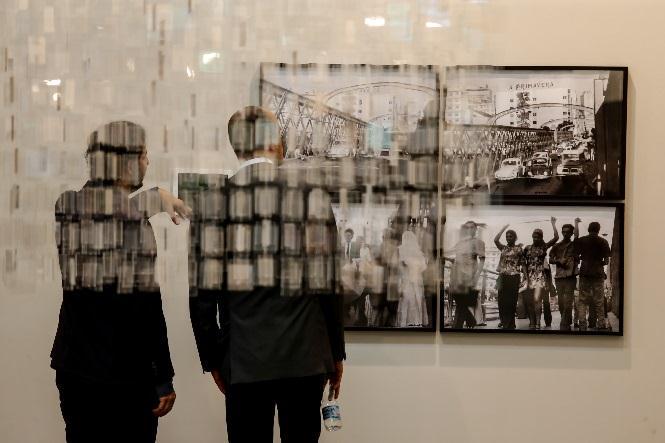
412, 309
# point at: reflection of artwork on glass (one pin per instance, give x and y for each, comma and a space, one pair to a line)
520, 131
104, 238
259, 232
382, 257
538, 269
363, 140
351, 110
388, 266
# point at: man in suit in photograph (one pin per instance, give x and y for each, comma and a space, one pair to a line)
351, 247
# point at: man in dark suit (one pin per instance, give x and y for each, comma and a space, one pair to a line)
351, 247
264, 308
111, 353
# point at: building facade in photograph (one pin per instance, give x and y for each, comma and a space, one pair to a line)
546, 103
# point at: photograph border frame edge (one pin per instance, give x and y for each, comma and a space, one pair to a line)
620, 207
624, 125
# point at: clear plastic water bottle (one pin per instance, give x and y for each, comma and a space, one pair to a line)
331, 412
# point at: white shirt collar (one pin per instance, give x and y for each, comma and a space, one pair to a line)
255, 160
251, 162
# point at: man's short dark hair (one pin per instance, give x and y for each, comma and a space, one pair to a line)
594, 227
568, 226
117, 135
249, 114
510, 231
348, 230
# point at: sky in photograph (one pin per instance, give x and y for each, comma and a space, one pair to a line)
523, 220
320, 79
499, 80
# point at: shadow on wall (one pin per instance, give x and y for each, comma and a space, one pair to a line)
488, 351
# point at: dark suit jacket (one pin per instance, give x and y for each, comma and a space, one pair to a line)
281, 325
111, 327
354, 250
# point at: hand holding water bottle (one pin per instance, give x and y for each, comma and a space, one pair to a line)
330, 409
331, 413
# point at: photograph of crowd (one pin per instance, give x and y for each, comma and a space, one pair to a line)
519, 131
388, 270
533, 268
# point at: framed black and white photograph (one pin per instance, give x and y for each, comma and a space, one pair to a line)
533, 268
370, 135
556, 132
387, 269
353, 110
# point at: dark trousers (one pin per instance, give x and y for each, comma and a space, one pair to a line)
250, 410
508, 289
547, 309
463, 315
565, 288
551, 292
105, 413
592, 300
354, 309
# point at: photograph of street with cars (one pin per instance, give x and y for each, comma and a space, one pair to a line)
553, 132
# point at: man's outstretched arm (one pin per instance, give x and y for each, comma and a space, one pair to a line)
155, 200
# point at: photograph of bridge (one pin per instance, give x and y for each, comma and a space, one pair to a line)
503, 268
338, 111
522, 131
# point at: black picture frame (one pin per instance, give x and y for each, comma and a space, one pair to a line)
579, 179
618, 227
275, 96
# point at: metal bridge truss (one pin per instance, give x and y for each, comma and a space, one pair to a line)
302, 119
487, 138
473, 152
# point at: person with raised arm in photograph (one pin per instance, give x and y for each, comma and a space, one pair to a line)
563, 257
511, 266
593, 252
535, 255
467, 266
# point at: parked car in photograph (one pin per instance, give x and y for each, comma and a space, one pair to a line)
539, 168
511, 168
541, 154
394, 153
570, 164
339, 151
583, 151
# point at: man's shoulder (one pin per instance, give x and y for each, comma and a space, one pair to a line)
66, 204
561, 245
582, 240
69, 193
556, 247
